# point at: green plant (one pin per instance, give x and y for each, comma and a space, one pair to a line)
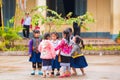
57, 19
118, 36
18, 48
8, 36
104, 48
90, 47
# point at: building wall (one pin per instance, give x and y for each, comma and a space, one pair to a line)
115, 12
107, 16
105, 12
19, 14
101, 12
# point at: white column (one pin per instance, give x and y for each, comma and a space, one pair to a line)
41, 3
115, 12
116, 16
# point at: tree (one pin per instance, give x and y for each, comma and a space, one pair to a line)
58, 20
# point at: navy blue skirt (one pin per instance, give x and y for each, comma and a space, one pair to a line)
79, 62
35, 57
55, 63
47, 62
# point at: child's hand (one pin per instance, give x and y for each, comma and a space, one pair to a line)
30, 55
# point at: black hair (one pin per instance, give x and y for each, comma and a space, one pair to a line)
70, 30
67, 33
55, 33
46, 35
36, 31
26, 13
79, 40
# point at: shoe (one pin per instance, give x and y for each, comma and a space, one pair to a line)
58, 74
33, 72
68, 75
65, 75
52, 73
62, 76
40, 73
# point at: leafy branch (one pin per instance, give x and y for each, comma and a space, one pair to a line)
58, 20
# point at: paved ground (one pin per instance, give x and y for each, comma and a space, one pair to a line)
100, 68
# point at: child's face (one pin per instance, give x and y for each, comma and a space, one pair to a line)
64, 35
36, 34
54, 37
70, 33
73, 39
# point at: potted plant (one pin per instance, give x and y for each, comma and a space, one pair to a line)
118, 38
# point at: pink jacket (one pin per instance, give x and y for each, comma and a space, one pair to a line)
46, 49
64, 47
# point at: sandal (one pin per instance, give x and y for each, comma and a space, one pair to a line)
74, 74
44, 76
65, 75
58, 74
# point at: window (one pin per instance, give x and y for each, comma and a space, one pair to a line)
8, 10
77, 7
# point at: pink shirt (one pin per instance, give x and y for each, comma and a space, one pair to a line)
64, 47
46, 49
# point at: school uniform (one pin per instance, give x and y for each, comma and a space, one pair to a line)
79, 60
47, 54
65, 48
35, 54
55, 63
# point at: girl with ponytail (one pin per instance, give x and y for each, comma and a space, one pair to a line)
65, 47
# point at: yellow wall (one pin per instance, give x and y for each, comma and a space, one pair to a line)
105, 12
101, 11
19, 14
107, 15
115, 16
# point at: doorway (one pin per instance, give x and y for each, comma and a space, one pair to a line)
77, 7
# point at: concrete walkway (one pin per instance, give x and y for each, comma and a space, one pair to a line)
100, 68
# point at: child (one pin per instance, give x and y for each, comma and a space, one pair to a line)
34, 53
65, 47
70, 30
55, 63
47, 54
78, 60
26, 23
37, 26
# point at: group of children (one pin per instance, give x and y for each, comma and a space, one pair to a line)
51, 53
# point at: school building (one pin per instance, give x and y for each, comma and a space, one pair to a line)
105, 12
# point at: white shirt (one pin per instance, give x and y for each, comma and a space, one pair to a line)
27, 21
55, 44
